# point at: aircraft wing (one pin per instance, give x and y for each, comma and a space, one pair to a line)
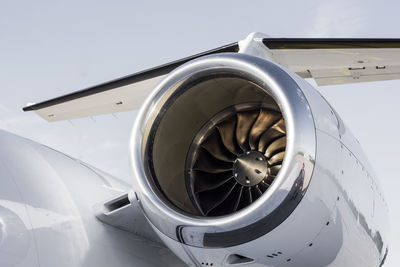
123, 94
328, 61
338, 61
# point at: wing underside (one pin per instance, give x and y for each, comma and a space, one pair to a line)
338, 61
328, 61
123, 94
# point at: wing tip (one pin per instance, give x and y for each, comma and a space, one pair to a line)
29, 107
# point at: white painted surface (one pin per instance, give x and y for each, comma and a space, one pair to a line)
47, 215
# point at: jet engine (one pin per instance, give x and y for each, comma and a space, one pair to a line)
230, 163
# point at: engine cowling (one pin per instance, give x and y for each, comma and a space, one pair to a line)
240, 161
223, 151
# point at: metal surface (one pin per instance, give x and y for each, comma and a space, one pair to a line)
340, 220
226, 169
130, 79
328, 61
126, 93
276, 204
47, 214
330, 43
325, 207
337, 61
250, 169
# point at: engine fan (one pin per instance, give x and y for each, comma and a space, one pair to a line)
235, 158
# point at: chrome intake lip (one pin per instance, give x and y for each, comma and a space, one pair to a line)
276, 204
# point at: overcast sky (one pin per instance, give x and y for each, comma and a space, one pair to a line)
51, 48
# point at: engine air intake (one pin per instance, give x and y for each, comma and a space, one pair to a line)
219, 150
216, 145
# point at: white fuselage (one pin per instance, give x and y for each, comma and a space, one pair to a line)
47, 213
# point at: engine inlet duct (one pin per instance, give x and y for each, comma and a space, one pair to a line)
222, 151
235, 158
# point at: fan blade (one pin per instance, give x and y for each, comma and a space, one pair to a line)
256, 192
207, 163
269, 179
276, 159
245, 121
246, 198
213, 144
249, 195
269, 136
208, 181
263, 186
275, 147
265, 119
213, 198
280, 126
239, 196
274, 170
228, 205
226, 130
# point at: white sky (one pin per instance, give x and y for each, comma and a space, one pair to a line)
50, 48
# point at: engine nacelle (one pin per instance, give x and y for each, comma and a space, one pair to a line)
236, 161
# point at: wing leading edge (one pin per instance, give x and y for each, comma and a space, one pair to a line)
328, 61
